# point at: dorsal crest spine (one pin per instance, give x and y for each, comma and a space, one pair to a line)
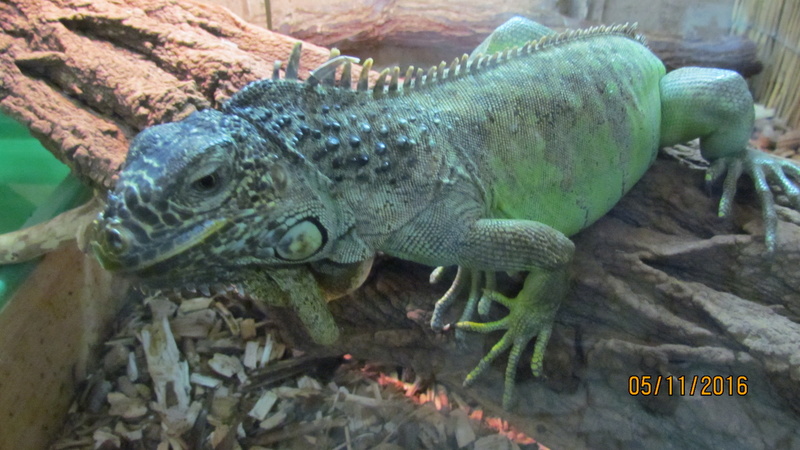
388, 81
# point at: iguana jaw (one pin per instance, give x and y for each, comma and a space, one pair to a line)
110, 242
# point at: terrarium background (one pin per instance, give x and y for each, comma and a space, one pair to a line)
377, 27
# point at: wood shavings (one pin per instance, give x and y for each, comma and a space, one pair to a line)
194, 304
273, 421
227, 316
207, 374
263, 405
160, 307
126, 407
219, 435
121, 430
163, 363
224, 405
126, 386
205, 380
251, 355
132, 367
177, 420
104, 438
306, 382
115, 357
225, 365
248, 329
196, 324
271, 352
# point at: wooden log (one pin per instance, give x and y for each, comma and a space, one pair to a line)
86, 77
725, 52
410, 30
662, 286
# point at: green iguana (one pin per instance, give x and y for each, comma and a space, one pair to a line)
488, 163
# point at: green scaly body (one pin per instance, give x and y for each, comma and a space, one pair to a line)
488, 164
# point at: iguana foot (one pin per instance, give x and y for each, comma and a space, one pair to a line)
762, 168
296, 288
531, 314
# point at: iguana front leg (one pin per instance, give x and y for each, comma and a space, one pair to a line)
296, 288
514, 32
531, 313
463, 276
307, 290
338, 280
518, 245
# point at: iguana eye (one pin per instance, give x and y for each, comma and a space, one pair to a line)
209, 184
206, 183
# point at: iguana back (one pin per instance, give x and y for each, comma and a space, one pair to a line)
555, 132
560, 134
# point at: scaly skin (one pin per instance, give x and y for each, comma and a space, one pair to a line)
488, 165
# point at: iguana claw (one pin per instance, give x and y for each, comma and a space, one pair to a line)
475, 300
762, 168
463, 276
437, 321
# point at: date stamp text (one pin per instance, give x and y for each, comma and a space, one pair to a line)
703, 385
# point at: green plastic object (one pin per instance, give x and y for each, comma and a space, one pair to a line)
34, 187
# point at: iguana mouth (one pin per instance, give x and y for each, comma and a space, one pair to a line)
189, 289
113, 245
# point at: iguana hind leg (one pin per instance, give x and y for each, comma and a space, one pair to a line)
715, 105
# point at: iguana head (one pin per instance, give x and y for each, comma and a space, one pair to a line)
199, 199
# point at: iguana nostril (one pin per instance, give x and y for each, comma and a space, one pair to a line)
116, 240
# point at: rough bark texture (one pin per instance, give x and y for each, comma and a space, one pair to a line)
85, 77
662, 286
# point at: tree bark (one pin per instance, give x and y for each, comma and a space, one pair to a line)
85, 77
661, 285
